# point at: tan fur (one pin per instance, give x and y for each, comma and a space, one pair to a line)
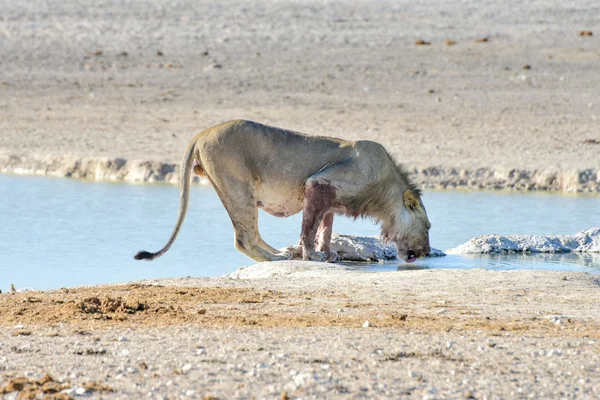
252, 165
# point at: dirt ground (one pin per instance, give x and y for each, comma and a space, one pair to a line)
518, 89
301, 333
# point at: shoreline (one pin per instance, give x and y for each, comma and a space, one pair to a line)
119, 169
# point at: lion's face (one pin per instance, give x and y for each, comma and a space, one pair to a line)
412, 230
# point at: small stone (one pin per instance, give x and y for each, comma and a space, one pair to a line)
80, 391
20, 326
413, 374
186, 368
121, 339
421, 42
553, 352
124, 353
366, 324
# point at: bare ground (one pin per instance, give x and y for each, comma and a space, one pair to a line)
434, 334
117, 79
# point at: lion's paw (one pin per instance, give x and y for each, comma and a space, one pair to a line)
333, 256
316, 256
294, 251
285, 255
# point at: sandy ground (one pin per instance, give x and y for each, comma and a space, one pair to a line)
137, 79
299, 331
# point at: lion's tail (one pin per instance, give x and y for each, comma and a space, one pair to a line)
184, 183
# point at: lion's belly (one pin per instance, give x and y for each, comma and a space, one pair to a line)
280, 203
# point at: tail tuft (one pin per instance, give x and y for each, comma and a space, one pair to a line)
144, 255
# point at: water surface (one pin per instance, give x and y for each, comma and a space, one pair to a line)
60, 232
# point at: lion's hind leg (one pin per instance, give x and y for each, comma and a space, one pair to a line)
244, 216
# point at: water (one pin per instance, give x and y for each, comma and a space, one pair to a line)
59, 232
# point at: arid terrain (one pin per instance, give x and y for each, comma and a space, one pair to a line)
499, 95
302, 332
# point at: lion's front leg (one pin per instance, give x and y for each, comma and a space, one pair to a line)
324, 237
319, 196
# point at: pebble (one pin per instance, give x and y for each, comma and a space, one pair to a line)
122, 339
366, 324
186, 368
80, 391
20, 326
553, 352
124, 353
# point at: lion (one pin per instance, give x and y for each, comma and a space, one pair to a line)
253, 166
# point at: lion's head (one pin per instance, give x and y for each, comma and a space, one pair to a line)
409, 228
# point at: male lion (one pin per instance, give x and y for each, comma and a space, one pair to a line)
252, 165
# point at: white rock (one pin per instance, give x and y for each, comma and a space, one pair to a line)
122, 339
587, 241
124, 353
186, 368
80, 391
20, 326
360, 248
366, 324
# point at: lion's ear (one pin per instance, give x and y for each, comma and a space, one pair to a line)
410, 200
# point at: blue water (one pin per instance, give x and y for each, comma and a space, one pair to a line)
59, 232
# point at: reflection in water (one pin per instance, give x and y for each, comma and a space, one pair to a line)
577, 262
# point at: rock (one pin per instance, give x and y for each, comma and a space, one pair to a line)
366, 324
422, 42
587, 241
360, 248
